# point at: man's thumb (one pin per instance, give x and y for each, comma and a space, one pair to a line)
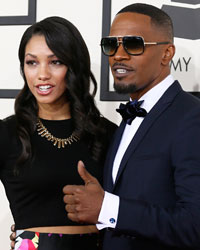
84, 174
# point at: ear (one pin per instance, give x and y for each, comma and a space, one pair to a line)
168, 54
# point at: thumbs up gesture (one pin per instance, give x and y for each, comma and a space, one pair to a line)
83, 202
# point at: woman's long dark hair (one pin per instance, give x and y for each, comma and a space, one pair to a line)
63, 38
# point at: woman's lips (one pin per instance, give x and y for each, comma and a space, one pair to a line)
44, 89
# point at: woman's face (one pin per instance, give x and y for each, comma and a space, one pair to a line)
44, 72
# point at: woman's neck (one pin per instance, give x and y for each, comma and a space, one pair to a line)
54, 112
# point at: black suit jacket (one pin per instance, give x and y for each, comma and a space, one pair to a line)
158, 181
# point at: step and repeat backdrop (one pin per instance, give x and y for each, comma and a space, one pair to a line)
93, 19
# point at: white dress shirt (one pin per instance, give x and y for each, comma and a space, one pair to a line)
110, 206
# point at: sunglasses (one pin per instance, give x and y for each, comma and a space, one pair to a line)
133, 45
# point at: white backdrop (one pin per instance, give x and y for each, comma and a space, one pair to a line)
87, 16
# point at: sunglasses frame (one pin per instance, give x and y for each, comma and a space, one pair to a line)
122, 42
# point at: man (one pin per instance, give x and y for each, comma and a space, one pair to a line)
152, 171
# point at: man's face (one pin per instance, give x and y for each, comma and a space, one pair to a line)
135, 75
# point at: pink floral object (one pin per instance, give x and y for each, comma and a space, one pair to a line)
27, 244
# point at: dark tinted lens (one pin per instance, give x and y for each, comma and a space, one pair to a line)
134, 45
109, 45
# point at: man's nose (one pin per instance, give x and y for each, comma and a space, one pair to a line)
121, 53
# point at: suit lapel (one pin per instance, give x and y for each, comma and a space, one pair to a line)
108, 182
152, 116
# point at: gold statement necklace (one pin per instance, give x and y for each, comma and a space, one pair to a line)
58, 142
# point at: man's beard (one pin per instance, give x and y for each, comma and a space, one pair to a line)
123, 88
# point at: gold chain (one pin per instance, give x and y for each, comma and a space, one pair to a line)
59, 142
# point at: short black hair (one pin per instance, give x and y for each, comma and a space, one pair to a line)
158, 17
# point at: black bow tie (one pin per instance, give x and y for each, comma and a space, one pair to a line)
130, 110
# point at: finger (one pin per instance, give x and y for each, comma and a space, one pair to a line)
84, 174
12, 245
13, 228
69, 199
13, 236
71, 189
73, 217
71, 208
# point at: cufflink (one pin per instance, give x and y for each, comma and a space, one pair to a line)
112, 220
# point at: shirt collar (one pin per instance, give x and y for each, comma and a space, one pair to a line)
153, 95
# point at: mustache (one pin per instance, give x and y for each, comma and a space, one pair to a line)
122, 65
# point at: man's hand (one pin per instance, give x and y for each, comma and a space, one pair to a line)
83, 202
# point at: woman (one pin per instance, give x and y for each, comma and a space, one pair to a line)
56, 124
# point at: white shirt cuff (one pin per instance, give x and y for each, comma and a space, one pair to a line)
109, 211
